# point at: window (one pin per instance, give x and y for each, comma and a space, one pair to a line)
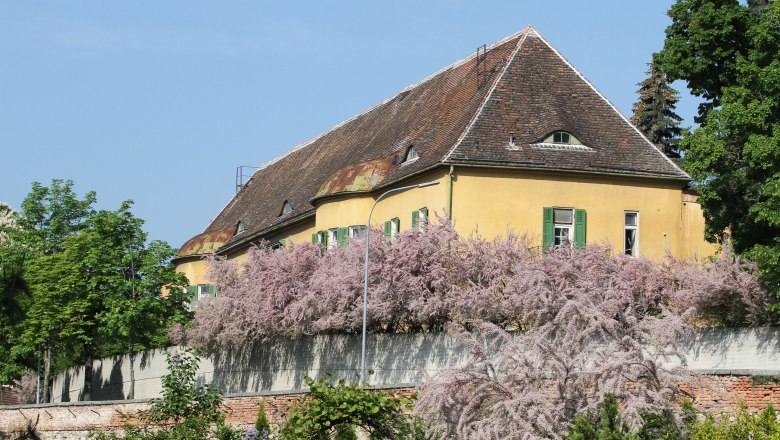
411, 154
199, 292
286, 208
563, 220
563, 226
357, 231
420, 220
333, 239
561, 137
392, 228
240, 228
631, 235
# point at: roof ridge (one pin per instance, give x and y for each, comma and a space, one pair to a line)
412, 86
528, 29
611, 105
310, 141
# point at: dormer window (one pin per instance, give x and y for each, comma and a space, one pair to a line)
561, 137
286, 208
240, 228
411, 154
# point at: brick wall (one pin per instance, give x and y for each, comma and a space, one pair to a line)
72, 421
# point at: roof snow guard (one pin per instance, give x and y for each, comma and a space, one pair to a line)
463, 114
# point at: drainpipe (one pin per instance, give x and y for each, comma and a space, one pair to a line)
450, 175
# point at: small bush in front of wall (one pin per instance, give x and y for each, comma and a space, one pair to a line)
743, 425
185, 412
262, 426
337, 411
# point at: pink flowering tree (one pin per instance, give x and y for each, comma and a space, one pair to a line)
551, 333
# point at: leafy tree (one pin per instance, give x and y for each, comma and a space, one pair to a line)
654, 113
727, 53
96, 284
609, 424
49, 215
13, 292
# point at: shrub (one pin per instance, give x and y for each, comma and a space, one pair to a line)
743, 425
335, 411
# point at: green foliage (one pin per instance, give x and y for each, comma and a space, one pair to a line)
13, 293
95, 284
609, 424
334, 411
727, 53
764, 380
185, 412
761, 426
654, 112
261, 422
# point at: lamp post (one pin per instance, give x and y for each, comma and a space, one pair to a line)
365, 279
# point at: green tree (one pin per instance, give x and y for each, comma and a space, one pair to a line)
49, 215
727, 53
96, 285
13, 292
654, 112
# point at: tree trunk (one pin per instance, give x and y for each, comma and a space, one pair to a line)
131, 393
46, 374
87, 395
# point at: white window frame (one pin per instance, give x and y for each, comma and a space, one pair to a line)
395, 225
569, 227
203, 292
635, 250
333, 241
357, 231
422, 220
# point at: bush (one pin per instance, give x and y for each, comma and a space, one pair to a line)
335, 411
743, 425
186, 411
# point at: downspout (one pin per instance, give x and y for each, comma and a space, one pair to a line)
450, 175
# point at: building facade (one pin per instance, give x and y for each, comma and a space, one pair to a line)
515, 137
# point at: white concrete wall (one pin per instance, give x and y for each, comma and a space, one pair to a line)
397, 359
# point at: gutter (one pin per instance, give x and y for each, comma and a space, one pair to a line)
528, 165
450, 176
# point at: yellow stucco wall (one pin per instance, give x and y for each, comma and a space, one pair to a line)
195, 270
693, 229
496, 200
351, 211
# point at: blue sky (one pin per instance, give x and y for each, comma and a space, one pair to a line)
158, 102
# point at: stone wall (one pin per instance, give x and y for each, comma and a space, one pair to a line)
73, 420
396, 359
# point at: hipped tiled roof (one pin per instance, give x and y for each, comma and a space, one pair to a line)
463, 114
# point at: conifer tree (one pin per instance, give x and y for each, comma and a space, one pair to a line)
654, 112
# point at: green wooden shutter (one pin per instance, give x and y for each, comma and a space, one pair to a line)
282, 242
192, 293
387, 229
415, 219
314, 238
343, 236
547, 228
580, 227
213, 290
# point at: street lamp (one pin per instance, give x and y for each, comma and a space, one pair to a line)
365, 279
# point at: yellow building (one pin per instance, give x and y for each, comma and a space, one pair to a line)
516, 138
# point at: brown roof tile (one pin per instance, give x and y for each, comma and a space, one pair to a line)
462, 114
